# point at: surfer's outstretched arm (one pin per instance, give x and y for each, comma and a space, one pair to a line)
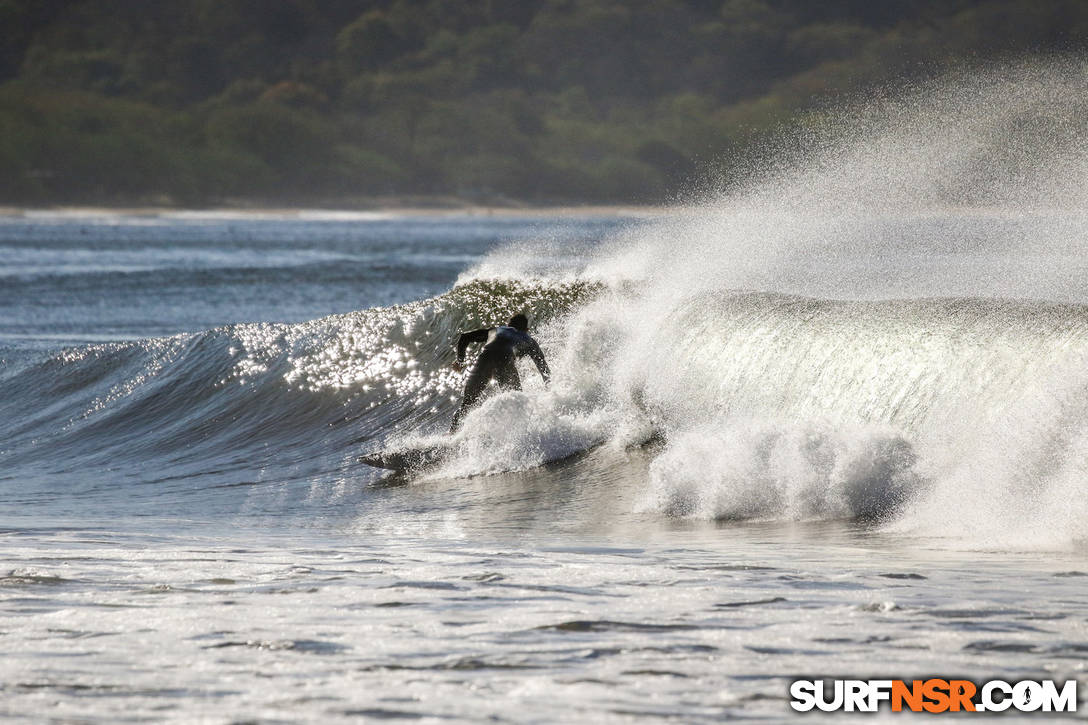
467, 338
534, 352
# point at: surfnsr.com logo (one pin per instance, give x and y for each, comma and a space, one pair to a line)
933, 695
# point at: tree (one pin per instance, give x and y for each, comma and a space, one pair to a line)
369, 42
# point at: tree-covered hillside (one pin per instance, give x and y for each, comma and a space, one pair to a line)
338, 101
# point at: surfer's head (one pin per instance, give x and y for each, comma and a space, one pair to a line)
519, 322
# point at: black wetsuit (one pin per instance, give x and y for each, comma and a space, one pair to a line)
502, 345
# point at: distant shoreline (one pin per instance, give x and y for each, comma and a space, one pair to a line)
346, 211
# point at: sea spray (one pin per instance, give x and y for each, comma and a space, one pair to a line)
872, 316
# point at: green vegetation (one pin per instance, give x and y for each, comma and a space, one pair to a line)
337, 101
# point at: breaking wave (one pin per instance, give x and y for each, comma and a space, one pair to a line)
888, 326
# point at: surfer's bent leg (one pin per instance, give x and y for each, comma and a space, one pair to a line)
507, 376
477, 381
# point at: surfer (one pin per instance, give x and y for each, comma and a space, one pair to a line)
502, 344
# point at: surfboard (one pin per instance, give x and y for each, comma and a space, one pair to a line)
416, 458
407, 459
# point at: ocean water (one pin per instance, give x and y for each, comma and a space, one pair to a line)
829, 422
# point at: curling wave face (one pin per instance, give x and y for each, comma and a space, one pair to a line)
945, 415
949, 417
322, 390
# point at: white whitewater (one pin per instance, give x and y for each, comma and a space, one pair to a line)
885, 320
